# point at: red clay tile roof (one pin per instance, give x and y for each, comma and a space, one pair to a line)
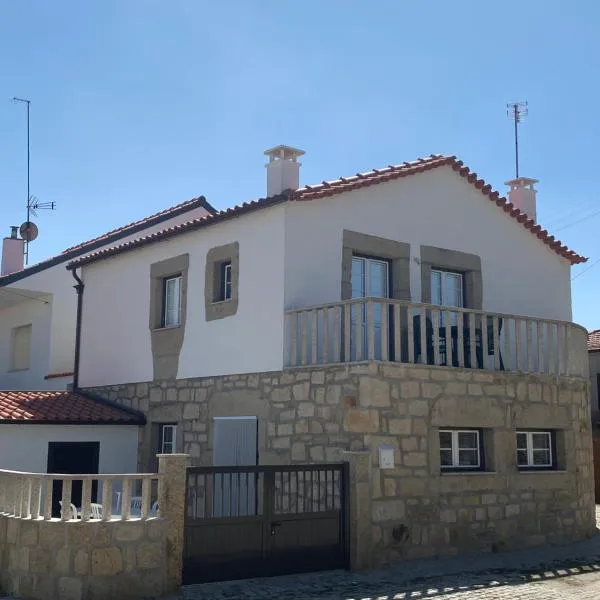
344, 184
148, 221
62, 407
111, 236
594, 340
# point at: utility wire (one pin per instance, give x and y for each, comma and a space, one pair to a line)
597, 212
8, 291
585, 270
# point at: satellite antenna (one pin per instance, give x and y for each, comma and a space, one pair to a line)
517, 111
33, 204
29, 231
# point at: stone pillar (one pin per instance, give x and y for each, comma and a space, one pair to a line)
359, 502
171, 503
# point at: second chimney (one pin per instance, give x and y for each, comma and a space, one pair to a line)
283, 170
12, 253
522, 195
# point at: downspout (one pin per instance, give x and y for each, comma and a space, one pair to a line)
79, 289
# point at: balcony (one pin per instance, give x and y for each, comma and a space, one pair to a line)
384, 329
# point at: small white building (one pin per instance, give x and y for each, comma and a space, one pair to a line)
38, 303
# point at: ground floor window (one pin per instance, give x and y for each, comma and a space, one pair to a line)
460, 449
535, 450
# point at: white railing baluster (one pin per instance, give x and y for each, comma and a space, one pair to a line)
423, 336
370, 333
550, 342
86, 499
36, 490
66, 514
126, 500
540, 347
314, 337
25, 491
146, 490
411, 337
472, 342
397, 334
560, 334
347, 330
518, 349
294, 340
435, 322
303, 338
460, 341
496, 339
107, 499
530, 355
385, 347
484, 341
326, 335
507, 356
48, 498
359, 328
337, 329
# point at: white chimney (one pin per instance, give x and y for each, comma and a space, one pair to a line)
283, 170
522, 195
12, 253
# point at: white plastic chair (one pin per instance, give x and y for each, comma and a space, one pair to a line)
154, 509
136, 503
73, 509
96, 510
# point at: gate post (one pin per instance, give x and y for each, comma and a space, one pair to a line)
171, 502
359, 514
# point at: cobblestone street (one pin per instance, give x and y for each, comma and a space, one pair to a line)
545, 573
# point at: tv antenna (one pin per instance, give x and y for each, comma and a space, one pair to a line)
517, 111
33, 204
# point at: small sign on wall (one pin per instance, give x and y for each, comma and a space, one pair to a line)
386, 457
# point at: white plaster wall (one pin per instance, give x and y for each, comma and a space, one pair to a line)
439, 208
116, 343
25, 447
54, 335
38, 313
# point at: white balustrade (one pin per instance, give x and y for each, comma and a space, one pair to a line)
414, 333
49, 496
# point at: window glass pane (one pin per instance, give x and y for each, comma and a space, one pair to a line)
541, 458
436, 287
453, 289
172, 301
467, 439
167, 434
522, 458
378, 279
522, 441
446, 458
468, 458
445, 439
226, 278
358, 278
540, 440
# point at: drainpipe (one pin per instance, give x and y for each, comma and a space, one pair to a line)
79, 289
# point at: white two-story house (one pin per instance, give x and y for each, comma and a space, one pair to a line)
410, 308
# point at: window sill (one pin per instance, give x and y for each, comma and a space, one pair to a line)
166, 328
467, 472
221, 302
18, 370
525, 470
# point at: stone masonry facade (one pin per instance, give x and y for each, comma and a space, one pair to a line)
312, 415
82, 561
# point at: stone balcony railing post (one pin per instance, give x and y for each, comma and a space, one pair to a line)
171, 502
359, 517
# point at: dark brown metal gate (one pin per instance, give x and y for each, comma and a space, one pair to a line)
267, 520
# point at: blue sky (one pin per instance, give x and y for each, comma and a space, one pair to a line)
137, 105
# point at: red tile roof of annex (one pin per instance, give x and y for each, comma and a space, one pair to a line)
594, 340
341, 185
53, 407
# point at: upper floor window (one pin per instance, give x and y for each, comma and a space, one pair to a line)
535, 449
171, 309
446, 288
20, 348
223, 287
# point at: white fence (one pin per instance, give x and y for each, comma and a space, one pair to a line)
80, 497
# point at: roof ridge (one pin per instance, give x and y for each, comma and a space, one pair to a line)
344, 184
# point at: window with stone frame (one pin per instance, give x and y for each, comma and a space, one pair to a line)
536, 450
461, 450
221, 285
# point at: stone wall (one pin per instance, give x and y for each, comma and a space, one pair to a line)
50, 560
315, 414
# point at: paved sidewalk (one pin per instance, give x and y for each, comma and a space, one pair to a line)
550, 572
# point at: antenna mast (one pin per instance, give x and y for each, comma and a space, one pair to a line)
517, 111
32, 202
